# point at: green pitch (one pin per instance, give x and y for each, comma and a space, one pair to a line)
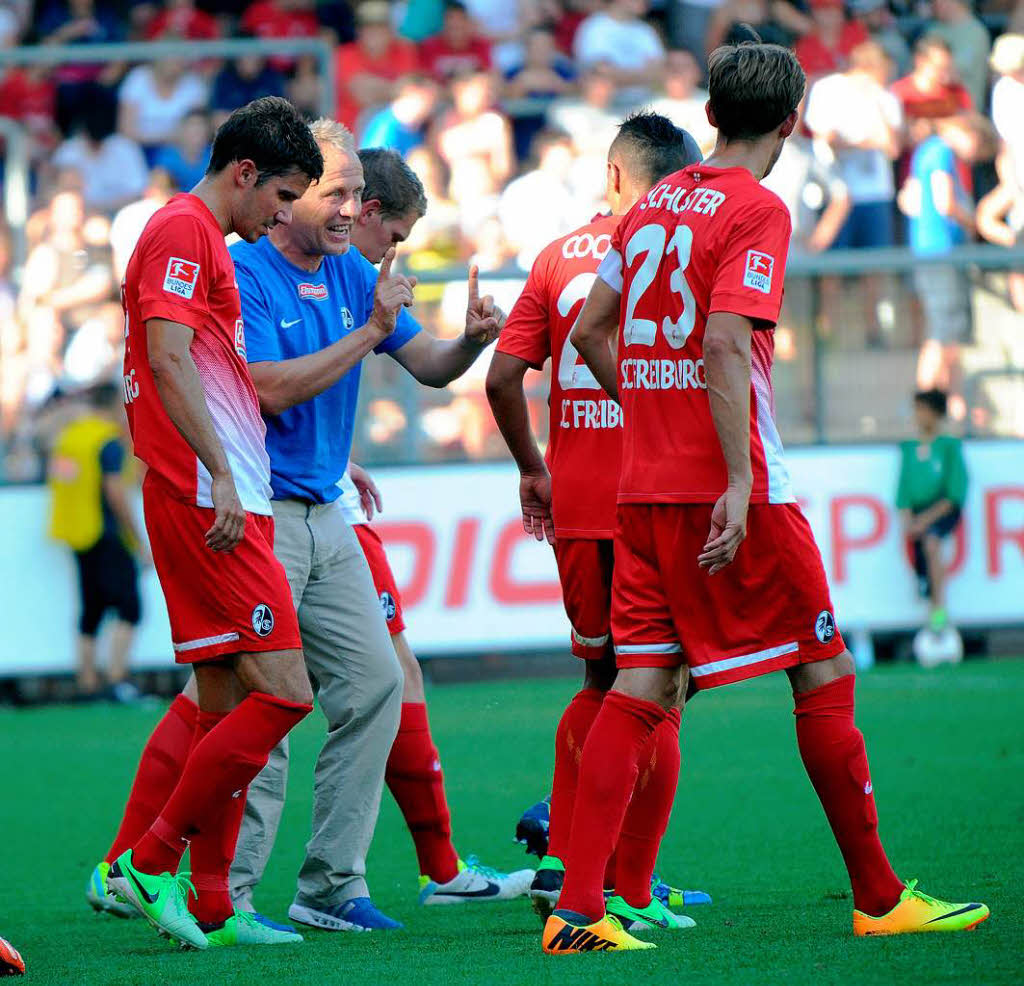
948, 768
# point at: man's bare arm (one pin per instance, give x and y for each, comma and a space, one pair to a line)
595, 335
181, 393
507, 398
727, 370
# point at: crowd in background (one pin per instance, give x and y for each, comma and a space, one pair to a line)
912, 133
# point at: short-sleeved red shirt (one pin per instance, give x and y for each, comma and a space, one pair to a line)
181, 271
931, 104
703, 240
442, 61
816, 58
351, 60
585, 441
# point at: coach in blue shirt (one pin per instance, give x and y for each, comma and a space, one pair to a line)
312, 308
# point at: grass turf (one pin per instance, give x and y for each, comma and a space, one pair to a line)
947, 756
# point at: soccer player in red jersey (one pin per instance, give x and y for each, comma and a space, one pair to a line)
691, 288
195, 420
569, 499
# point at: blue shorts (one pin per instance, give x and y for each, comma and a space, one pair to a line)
869, 224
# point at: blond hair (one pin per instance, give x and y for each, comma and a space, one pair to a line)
334, 134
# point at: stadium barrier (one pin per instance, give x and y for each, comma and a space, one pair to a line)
473, 583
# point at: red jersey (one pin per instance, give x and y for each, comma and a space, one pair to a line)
351, 60
443, 61
703, 240
585, 438
181, 271
816, 58
931, 104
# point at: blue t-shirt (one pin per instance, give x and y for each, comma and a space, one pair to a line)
930, 231
291, 312
385, 130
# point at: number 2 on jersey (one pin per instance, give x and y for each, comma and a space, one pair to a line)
572, 374
649, 240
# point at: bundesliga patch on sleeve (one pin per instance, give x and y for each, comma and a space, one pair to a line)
758, 274
181, 277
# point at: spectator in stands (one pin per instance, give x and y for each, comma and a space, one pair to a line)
305, 89
941, 218
91, 512
473, 129
29, 95
969, 43
458, 49
682, 101
776, 21
368, 69
808, 180
111, 166
80, 86
592, 124
826, 47
688, 23
185, 159
854, 115
876, 16
618, 37
240, 82
861, 122
930, 497
541, 75
1008, 106
281, 19
130, 221
932, 91
503, 23
434, 240
14, 20
543, 72
154, 99
66, 276
1000, 218
402, 124
181, 19
541, 204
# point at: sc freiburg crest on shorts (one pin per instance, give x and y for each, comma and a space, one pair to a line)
825, 626
263, 620
387, 603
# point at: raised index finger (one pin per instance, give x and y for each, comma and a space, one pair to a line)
385, 264
474, 285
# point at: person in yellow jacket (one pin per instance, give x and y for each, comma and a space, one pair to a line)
90, 482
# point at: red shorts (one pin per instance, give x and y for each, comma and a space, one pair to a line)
769, 609
218, 603
383, 577
585, 571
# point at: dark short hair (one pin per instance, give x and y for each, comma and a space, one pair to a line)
272, 134
931, 42
935, 399
654, 146
753, 88
389, 180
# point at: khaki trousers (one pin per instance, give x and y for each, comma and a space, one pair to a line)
358, 680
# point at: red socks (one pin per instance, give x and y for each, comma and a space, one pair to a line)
218, 769
648, 813
608, 775
832, 749
570, 736
213, 848
158, 772
413, 775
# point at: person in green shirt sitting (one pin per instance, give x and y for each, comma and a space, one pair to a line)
930, 497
